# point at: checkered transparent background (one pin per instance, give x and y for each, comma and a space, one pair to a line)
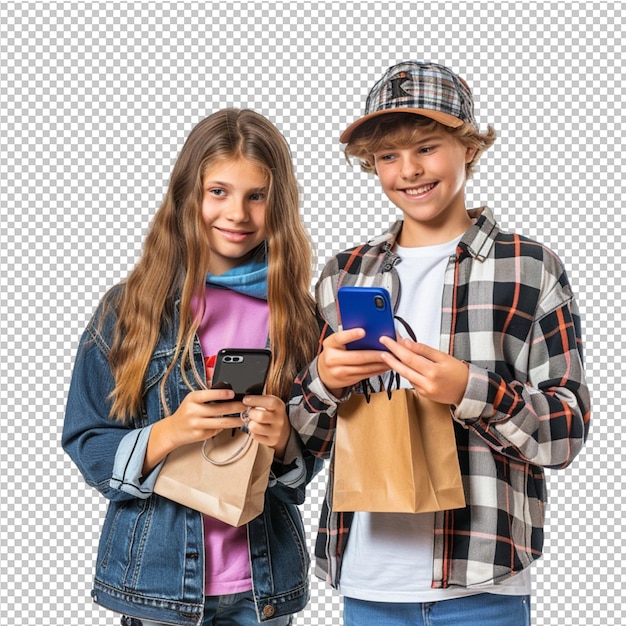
95, 102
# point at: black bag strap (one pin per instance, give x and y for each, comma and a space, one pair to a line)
366, 386
407, 327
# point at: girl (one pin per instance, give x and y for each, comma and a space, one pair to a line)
226, 263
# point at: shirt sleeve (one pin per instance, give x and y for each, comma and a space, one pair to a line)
313, 408
107, 452
291, 474
129, 459
543, 420
313, 411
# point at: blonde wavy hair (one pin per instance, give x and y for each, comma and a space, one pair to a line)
403, 130
176, 255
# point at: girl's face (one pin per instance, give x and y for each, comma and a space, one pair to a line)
233, 210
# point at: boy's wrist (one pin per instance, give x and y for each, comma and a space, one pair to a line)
472, 405
463, 382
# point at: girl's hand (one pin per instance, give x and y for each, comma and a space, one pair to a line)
197, 418
267, 422
339, 367
434, 374
200, 417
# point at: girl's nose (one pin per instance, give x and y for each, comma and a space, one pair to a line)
237, 210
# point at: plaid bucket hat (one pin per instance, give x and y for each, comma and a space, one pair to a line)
426, 89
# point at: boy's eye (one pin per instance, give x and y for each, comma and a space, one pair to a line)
426, 149
384, 157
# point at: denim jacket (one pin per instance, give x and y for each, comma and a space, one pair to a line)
150, 562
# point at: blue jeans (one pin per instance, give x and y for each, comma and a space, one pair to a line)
236, 609
478, 610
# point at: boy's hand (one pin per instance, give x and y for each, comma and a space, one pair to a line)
434, 374
339, 367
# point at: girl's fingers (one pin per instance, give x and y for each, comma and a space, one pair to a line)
222, 423
203, 396
267, 402
219, 409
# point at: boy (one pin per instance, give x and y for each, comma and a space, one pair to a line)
499, 341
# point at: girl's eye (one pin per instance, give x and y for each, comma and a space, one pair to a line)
218, 193
257, 197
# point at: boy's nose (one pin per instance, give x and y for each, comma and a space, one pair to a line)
410, 168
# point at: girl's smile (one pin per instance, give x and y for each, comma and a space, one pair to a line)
237, 236
233, 211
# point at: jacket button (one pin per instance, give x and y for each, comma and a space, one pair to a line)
269, 610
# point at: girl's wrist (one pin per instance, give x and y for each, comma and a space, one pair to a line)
281, 445
159, 445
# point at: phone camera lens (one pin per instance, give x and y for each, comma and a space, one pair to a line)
379, 302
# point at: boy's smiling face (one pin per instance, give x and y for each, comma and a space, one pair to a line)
426, 180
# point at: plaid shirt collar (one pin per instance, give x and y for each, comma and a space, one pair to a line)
477, 241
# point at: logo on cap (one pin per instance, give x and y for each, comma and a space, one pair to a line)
396, 87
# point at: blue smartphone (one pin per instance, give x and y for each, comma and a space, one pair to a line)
368, 308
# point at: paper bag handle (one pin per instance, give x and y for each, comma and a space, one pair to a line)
233, 457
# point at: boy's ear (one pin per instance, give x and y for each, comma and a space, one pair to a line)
470, 153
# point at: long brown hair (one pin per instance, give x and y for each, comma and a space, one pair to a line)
176, 255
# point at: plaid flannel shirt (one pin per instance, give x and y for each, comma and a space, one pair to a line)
508, 310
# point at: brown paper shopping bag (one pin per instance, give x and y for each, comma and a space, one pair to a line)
224, 477
396, 454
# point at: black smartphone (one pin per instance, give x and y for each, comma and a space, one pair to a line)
243, 370
368, 308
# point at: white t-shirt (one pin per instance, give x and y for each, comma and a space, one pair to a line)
389, 556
